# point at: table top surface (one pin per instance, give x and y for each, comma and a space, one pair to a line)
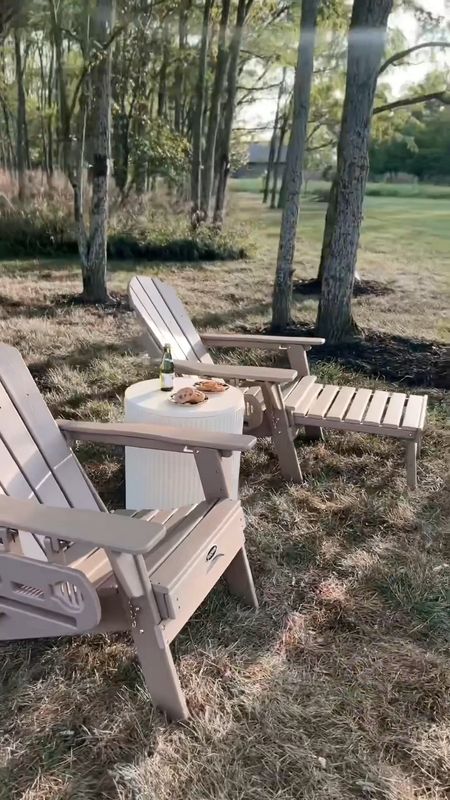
148, 395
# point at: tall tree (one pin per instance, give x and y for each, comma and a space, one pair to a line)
282, 291
199, 110
366, 44
273, 138
214, 108
223, 159
279, 156
93, 249
183, 16
21, 135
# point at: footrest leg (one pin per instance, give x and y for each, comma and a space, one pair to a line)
411, 464
314, 433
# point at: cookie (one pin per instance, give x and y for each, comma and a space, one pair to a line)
211, 386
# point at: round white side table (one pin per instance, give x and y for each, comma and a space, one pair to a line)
160, 479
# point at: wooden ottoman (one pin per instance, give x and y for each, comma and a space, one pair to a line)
345, 408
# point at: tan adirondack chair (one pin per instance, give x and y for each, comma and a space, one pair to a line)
86, 570
266, 390
279, 401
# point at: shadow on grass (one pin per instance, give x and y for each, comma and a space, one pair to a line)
81, 357
228, 316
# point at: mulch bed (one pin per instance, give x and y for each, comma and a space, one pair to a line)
411, 362
118, 302
395, 359
311, 288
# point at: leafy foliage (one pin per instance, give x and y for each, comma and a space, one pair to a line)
421, 148
161, 152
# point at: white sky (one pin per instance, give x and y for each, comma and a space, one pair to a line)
262, 111
399, 76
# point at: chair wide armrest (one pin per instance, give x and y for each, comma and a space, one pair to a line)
93, 527
157, 437
228, 371
244, 340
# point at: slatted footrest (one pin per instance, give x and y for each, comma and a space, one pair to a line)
364, 410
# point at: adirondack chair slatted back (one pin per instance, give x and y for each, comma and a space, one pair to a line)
166, 319
36, 462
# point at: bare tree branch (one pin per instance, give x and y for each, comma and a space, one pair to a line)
405, 53
329, 143
443, 96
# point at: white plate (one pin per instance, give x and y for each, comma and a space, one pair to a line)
205, 391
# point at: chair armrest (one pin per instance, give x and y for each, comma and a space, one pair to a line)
93, 527
158, 437
230, 371
243, 340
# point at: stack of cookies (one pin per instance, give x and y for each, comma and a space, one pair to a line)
188, 396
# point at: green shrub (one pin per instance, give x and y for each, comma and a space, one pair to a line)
40, 228
46, 228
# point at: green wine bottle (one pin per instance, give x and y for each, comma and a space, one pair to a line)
167, 370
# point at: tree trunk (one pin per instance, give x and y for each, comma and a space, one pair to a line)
120, 141
214, 106
63, 103
282, 290
42, 110
277, 162
365, 49
49, 119
282, 192
11, 162
273, 139
242, 13
21, 117
77, 156
197, 123
270, 160
94, 274
330, 218
162, 80
185, 6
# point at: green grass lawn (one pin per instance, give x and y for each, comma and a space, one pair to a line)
338, 688
404, 243
379, 189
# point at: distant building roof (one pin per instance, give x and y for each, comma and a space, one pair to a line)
258, 153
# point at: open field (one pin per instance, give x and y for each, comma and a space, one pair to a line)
377, 189
338, 688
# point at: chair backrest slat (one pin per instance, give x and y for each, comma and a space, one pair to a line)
38, 446
181, 314
14, 484
29, 460
166, 321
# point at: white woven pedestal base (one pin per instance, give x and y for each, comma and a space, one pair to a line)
159, 479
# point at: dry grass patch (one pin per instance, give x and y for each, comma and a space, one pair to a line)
339, 686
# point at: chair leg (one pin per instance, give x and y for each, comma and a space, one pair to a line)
281, 433
284, 446
314, 433
159, 670
240, 579
411, 464
419, 446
